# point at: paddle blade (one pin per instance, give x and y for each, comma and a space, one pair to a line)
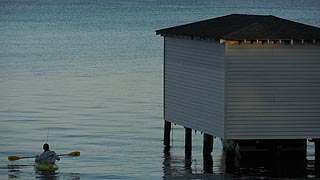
13, 158
75, 153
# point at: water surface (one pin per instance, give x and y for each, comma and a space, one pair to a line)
91, 73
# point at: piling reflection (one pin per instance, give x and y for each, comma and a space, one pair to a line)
184, 167
265, 161
268, 164
276, 159
188, 163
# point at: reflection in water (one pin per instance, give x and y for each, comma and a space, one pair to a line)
14, 171
269, 161
55, 175
272, 158
23, 171
171, 168
272, 164
43, 175
187, 164
179, 167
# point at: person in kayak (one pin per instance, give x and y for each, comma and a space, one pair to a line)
48, 157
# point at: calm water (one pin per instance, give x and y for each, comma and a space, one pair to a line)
90, 71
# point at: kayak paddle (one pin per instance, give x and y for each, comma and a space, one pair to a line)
74, 153
14, 158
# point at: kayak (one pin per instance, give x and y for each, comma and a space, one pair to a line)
46, 167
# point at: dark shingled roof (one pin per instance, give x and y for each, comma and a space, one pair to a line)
245, 27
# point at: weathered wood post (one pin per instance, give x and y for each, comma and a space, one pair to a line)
229, 149
207, 144
166, 137
207, 149
317, 157
208, 164
188, 142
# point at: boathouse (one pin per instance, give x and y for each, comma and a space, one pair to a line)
243, 77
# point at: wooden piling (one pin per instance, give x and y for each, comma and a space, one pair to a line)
188, 142
207, 144
207, 149
166, 137
317, 157
208, 164
229, 149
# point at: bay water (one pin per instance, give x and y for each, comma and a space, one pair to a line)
87, 75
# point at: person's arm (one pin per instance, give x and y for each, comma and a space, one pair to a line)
57, 157
37, 158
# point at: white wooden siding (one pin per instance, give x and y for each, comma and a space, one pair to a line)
273, 92
194, 84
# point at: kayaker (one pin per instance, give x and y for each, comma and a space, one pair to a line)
48, 157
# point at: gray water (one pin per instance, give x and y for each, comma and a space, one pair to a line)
86, 75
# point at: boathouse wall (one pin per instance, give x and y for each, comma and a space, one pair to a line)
272, 91
194, 73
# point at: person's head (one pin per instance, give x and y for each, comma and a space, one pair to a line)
46, 147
